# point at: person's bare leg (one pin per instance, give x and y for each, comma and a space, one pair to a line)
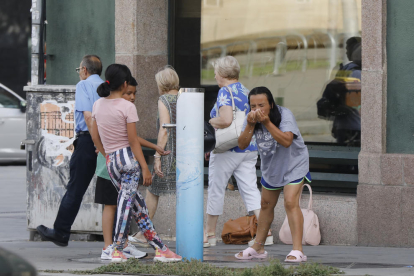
108, 216
267, 212
257, 214
294, 215
211, 225
152, 203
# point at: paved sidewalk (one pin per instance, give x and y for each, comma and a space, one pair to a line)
352, 260
79, 255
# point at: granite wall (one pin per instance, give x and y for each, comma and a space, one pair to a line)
386, 180
141, 43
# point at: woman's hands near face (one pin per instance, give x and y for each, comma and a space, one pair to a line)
251, 118
261, 117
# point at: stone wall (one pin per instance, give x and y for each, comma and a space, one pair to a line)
337, 215
385, 189
141, 44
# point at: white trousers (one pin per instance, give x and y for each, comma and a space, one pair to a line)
243, 167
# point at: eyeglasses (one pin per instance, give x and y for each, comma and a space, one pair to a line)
78, 69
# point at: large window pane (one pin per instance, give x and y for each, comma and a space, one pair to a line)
293, 47
307, 52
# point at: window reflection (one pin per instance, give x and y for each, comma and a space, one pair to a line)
298, 49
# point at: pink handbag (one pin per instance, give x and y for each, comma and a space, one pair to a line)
311, 231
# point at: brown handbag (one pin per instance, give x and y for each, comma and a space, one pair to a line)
239, 231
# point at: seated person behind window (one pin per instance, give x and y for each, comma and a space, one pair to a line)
341, 99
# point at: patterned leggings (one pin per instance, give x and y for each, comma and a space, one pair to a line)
125, 171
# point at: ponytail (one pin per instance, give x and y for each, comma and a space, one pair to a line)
104, 90
115, 75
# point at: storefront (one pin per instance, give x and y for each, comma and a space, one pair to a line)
311, 55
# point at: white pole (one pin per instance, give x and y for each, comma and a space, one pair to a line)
190, 174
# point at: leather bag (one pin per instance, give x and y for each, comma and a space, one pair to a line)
209, 137
228, 138
239, 231
311, 231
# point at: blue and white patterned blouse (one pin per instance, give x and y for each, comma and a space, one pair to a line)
240, 94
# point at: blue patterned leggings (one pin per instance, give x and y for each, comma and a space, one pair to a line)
125, 171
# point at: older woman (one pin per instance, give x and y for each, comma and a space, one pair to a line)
164, 166
240, 163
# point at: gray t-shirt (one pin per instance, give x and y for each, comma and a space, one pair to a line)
281, 165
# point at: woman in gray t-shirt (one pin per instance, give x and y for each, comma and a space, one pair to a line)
284, 164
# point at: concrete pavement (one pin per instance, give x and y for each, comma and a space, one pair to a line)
350, 259
85, 255
13, 203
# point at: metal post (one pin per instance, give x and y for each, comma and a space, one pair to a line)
36, 20
190, 174
280, 52
332, 54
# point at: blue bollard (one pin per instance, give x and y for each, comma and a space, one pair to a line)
190, 176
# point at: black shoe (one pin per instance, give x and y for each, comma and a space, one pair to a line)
48, 234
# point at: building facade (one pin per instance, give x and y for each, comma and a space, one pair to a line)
295, 48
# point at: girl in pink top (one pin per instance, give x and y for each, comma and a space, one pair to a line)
115, 136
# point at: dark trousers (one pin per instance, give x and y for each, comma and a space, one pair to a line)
82, 168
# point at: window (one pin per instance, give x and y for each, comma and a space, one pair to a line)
8, 100
309, 56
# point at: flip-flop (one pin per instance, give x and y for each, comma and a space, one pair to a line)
300, 257
250, 253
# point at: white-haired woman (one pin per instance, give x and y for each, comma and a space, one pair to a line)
164, 166
237, 162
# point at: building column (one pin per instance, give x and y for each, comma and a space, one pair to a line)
386, 180
141, 44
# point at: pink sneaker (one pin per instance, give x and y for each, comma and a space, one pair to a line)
118, 256
166, 256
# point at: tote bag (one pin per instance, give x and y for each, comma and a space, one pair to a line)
311, 231
228, 138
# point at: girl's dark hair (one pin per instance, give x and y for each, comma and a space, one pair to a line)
274, 114
115, 76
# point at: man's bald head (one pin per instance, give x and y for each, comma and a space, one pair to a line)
93, 64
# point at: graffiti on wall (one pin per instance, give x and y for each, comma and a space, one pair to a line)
57, 135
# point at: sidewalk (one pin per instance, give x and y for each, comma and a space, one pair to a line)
375, 261
79, 255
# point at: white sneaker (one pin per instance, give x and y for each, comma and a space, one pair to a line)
106, 254
130, 251
138, 242
269, 241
